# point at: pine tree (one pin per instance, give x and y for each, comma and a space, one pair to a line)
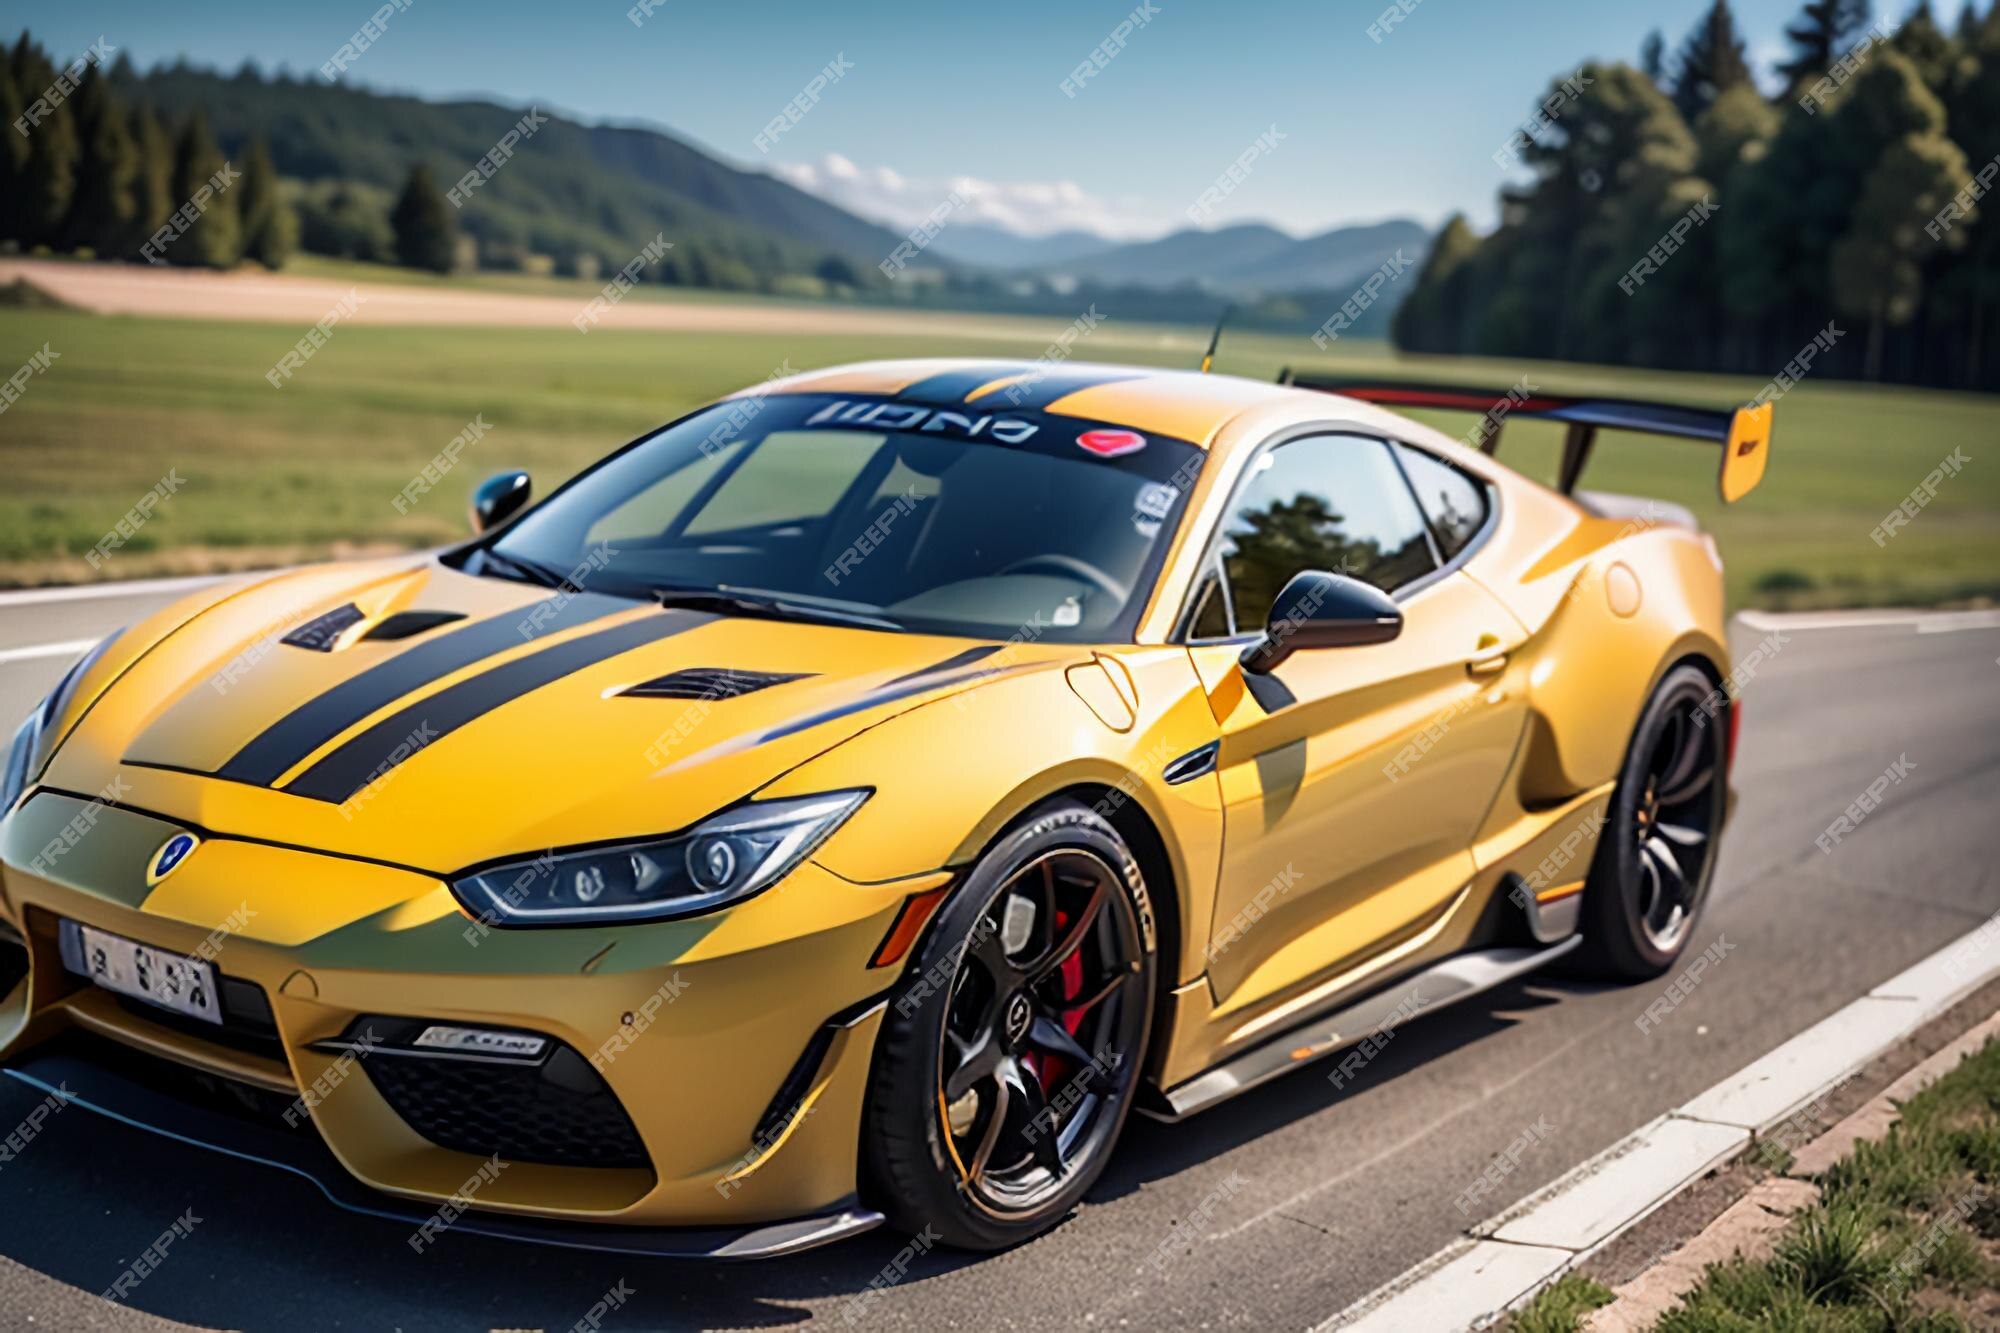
1925, 45
152, 181
425, 234
1711, 62
270, 227
101, 211
215, 240
1820, 37
50, 173
1653, 58
13, 160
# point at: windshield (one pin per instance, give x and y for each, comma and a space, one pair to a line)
1001, 525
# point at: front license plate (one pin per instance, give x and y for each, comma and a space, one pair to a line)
184, 985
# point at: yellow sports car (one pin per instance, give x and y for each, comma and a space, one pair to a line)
851, 801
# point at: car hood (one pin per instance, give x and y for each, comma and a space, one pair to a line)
410, 713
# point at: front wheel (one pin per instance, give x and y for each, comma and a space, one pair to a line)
1011, 1048
1657, 853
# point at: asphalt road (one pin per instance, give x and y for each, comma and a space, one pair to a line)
1272, 1211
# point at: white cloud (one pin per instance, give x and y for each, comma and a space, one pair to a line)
1031, 208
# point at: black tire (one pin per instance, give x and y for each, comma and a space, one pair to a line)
1631, 932
1087, 901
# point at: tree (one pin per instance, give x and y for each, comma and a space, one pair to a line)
215, 238
270, 227
49, 175
1653, 58
1711, 62
1736, 128
1924, 44
425, 235
1878, 264
1820, 36
102, 209
1433, 317
13, 159
152, 179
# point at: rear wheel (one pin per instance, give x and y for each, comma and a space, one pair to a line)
1657, 853
1010, 1051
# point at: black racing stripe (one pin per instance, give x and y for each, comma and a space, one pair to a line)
950, 388
396, 737
282, 744
956, 660
1050, 383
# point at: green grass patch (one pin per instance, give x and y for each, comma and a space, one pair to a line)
1906, 1235
1561, 1307
312, 468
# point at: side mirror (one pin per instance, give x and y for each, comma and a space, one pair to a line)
499, 498
1320, 610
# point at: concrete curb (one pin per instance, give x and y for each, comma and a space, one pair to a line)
1505, 1261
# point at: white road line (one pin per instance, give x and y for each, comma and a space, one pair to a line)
1508, 1259
74, 648
82, 592
1924, 622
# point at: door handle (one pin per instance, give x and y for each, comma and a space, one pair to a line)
1491, 659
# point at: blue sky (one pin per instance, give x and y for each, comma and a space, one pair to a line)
946, 94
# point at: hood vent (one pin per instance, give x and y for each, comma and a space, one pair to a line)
318, 634
708, 683
409, 624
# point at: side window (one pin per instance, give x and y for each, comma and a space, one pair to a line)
793, 476
1211, 610
1331, 502
1455, 502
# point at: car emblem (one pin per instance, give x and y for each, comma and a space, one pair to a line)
1020, 1017
172, 852
1111, 443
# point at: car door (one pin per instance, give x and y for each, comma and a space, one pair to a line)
1353, 778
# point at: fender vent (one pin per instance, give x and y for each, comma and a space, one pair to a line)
409, 624
708, 683
319, 633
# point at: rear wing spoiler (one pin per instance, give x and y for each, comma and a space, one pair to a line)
1744, 433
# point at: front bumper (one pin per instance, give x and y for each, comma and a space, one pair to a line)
737, 1044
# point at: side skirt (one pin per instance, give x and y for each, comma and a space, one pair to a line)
1459, 977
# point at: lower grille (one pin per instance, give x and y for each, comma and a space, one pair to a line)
556, 1111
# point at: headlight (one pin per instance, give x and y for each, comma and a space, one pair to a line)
28, 754
722, 860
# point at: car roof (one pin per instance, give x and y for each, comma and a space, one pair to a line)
1184, 404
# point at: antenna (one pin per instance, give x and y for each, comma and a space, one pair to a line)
1208, 357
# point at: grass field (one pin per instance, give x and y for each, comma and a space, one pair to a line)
270, 475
